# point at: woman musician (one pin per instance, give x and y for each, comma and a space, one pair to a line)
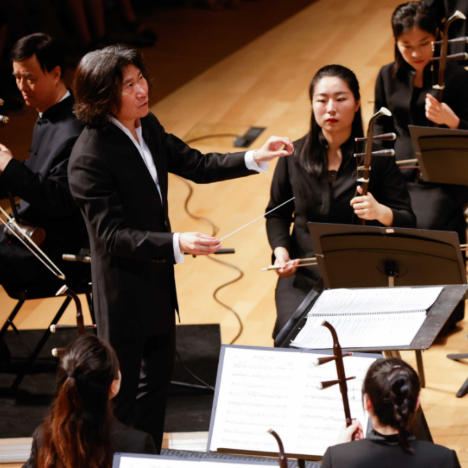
80, 428
405, 88
391, 393
322, 175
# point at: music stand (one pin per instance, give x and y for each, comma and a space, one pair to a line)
350, 256
442, 154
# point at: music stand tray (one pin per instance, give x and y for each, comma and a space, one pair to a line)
442, 154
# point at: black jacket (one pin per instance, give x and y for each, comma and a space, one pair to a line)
385, 452
130, 232
395, 94
318, 201
123, 439
46, 201
42, 181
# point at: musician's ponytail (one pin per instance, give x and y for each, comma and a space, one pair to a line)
76, 432
393, 388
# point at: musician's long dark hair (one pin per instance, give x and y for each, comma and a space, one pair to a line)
76, 432
406, 17
393, 388
314, 156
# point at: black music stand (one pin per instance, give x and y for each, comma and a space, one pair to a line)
351, 256
442, 154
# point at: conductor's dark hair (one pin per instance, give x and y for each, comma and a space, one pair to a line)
314, 156
76, 431
393, 388
98, 83
406, 17
49, 51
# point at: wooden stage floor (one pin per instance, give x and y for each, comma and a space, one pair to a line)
265, 84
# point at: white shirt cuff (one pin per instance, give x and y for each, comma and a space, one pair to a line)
252, 165
178, 255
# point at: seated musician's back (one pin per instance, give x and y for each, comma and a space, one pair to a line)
391, 395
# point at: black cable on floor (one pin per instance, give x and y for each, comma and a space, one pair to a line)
193, 375
215, 230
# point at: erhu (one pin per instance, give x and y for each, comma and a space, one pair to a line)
444, 43
442, 59
342, 379
282, 459
369, 139
80, 326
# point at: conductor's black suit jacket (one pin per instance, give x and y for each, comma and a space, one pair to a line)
130, 233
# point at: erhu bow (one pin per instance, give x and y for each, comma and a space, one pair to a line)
342, 379
443, 53
17, 232
370, 138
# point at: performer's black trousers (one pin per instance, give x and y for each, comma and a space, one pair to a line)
289, 294
146, 365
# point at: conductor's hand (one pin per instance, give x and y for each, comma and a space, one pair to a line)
273, 148
440, 113
5, 157
353, 432
196, 243
282, 259
367, 207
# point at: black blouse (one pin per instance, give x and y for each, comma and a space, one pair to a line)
318, 200
385, 452
396, 94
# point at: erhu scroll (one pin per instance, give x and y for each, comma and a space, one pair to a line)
342, 379
80, 326
366, 167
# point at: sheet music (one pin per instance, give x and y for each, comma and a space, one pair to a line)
275, 389
374, 301
127, 461
361, 331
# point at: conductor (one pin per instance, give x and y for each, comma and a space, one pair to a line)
119, 177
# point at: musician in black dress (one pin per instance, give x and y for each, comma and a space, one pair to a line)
391, 397
322, 175
405, 88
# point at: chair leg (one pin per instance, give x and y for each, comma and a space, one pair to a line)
38, 348
21, 337
12, 316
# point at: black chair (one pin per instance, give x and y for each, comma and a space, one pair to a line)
78, 280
